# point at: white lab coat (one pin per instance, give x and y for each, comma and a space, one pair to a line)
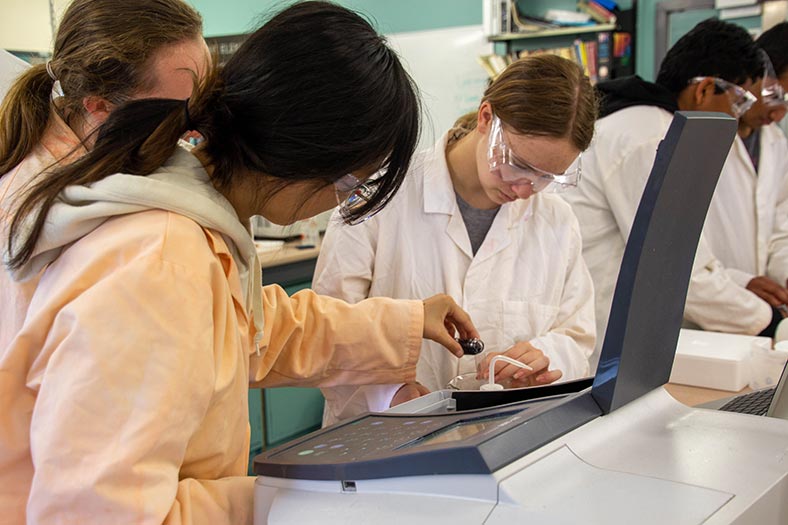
615, 170
527, 282
744, 229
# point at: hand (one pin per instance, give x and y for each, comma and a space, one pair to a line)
408, 392
443, 319
525, 353
769, 291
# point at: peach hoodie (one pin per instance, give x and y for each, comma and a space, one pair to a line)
124, 370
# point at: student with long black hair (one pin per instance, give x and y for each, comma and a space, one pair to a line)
124, 393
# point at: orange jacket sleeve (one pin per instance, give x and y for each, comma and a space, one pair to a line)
314, 340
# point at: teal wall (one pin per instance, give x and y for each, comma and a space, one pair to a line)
395, 16
388, 16
680, 24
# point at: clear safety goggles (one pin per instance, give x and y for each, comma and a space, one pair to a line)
353, 194
511, 170
772, 92
741, 99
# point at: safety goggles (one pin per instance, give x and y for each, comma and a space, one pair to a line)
353, 194
772, 92
741, 99
504, 164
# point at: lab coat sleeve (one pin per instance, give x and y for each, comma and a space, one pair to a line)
777, 263
126, 385
716, 302
739, 277
344, 270
625, 182
570, 341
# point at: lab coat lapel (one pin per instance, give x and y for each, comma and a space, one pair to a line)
504, 228
439, 197
741, 151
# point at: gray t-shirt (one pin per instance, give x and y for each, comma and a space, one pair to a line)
477, 222
753, 145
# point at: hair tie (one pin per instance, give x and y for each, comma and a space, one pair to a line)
57, 89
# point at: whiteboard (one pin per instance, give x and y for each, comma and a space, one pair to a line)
443, 64
10, 68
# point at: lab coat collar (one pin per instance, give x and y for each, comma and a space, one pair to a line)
438, 190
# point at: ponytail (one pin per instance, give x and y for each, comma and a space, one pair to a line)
136, 139
24, 115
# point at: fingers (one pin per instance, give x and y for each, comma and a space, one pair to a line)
443, 318
451, 344
769, 291
523, 352
461, 321
544, 378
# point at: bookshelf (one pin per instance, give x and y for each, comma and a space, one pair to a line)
602, 43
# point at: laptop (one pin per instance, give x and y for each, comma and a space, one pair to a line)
771, 402
637, 354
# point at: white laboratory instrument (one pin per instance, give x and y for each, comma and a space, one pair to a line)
619, 452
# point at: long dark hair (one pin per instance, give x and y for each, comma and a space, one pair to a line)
102, 48
314, 94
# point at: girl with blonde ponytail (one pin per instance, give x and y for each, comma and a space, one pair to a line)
124, 392
103, 55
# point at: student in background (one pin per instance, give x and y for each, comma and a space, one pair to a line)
747, 224
708, 69
473, 221
124, 393
102, 57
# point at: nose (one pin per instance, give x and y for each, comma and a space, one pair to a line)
523, 191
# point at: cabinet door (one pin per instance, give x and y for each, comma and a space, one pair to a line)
290, 413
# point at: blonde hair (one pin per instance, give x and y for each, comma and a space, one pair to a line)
102, 48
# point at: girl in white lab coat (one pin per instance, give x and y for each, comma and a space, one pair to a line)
475, 219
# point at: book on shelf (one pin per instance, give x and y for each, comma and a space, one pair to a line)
581, 54
494, 64
496, 17
604, 60
563, 52
622, 54
596, 11
591, 48
610, 5
563, 18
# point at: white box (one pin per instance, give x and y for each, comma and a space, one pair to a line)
713, 360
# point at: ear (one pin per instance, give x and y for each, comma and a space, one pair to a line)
702, 91
97, 108
484, 118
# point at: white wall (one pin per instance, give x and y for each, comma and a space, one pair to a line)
25, 25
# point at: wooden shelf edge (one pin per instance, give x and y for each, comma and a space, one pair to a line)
553, 32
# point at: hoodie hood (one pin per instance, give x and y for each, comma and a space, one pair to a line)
631, 91
181, 186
